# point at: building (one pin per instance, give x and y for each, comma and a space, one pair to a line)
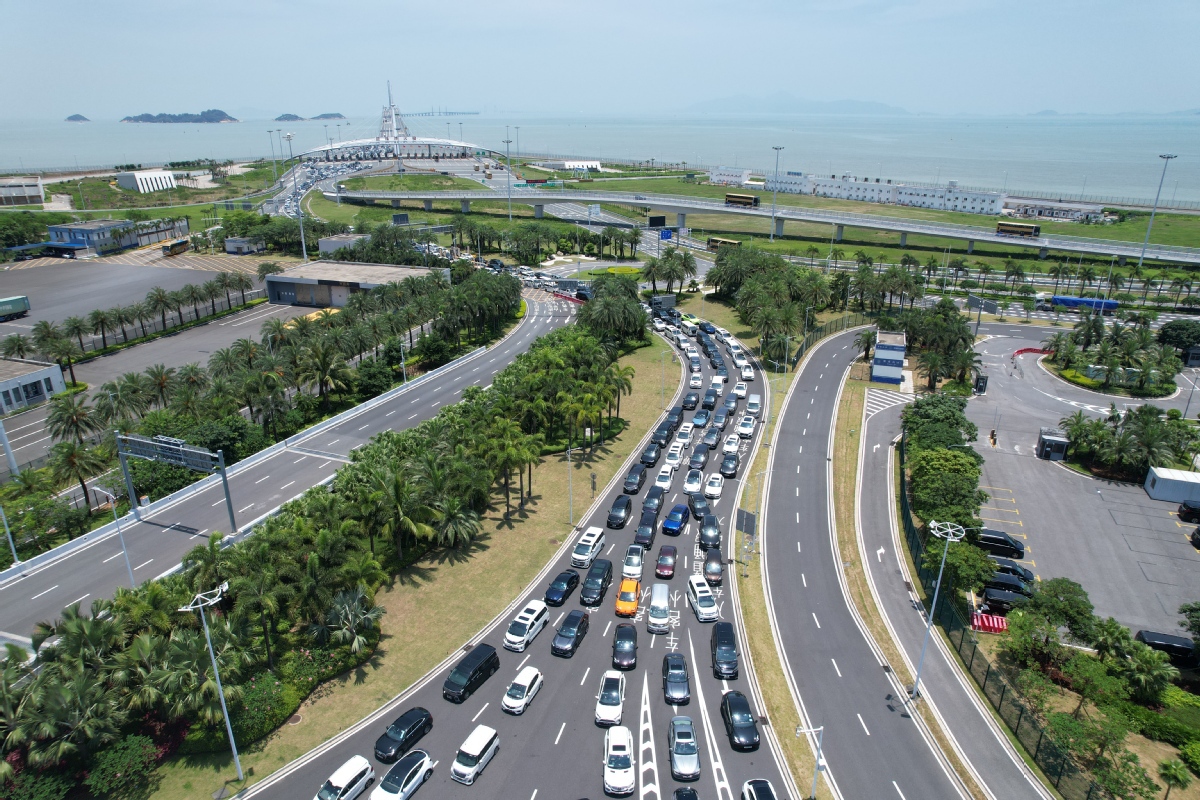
26, 383
729, 176
1172, 485
325, 284
146, 180
336, 242
878, 190
1053, 209
888, 362
788, 183
243, 245
24, 190
107, 235
570, 165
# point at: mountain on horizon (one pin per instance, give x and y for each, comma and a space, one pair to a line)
784, 103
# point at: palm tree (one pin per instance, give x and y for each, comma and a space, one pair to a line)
1111, 639
348, 621
193, 294
934, 364
70, 461
17, 346
405, 514
159, 301
260, 594
241, 282
812, 251
267, 268
212, 290
652, 271
76, 327
70, 417
323, 366
1174, 774
64, 351
865, 340
1148, 672
206, 565
102, 322
162, 378
64, 718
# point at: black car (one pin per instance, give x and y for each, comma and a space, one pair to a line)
710, 532
674, 417
596, 583
710, 400
701, 419
720, 419
496, 263
1001, 602
677, 689
730, 464
723, 371
624, 646
622, 509
645, 529
731, 404
714, 569
1009, 583
691, 400
635, 479
739, 721
685, 793
712, 438
999, 543
1189, 511
570, 634
654, 500
470, 673
1010, 567
651, 455
715, 360
561, 587
662, 435
699, 457
1180, 649
402, 734
723, 645
708, 328
698, 504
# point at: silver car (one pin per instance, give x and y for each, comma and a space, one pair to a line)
684, 749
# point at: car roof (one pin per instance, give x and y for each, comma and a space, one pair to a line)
526, 675
619, 736
413, 713
674, 657
734, 697
625, 581
348, 771
626, 628
478, 739
699, 582
531, 608
575, 615
668, 549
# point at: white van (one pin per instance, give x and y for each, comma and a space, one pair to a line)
475, 754
527, 625
350, 780
688, 327
658, 620
589, 546
702, 599
681, 341
754, 405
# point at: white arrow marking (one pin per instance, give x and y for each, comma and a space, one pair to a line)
879, 555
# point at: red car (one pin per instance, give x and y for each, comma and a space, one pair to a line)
665, 566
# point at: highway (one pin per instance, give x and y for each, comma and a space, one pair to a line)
555, 749
157, 543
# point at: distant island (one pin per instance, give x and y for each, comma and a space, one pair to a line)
77, 118
329, 116
288, 118
211, 115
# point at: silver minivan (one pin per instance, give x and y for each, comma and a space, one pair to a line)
658, 619
754, 405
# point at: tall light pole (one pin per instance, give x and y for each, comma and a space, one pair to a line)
274, 171
951, 533
198, 603
775, 194
299, 197
1166, 157
327, 139
8, 533
507, 156
120, 535
518, 142
460, 133
819, 767
1108, 291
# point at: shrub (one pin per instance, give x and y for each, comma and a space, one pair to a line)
31, 785
1174, 697
124, 769
1159, 727
266, 703
1190, 755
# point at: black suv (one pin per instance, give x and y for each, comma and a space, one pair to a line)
635, 479
596, 583
651, 455
570, 634
699, 457
698, 504
403, 733
645, 529
710, 400
624, 646
691, 400
1189, 511
662, 434
674, 417
654, 500
999, 543
710, 532
620, 512
475, 668
724, 651
729, 465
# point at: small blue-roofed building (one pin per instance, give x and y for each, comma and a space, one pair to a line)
888, 364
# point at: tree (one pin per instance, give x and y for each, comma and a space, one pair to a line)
70, 417
1174, 775
933, 364
323, 367
1180, 334
865, 340
1064, 603
17, 346
267, 268
1091, 679
159, 301
1111, 640
1148, 672
102, 322
64, 351
348, 621
968, 568
66, 717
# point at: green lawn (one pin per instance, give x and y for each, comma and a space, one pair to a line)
412, 182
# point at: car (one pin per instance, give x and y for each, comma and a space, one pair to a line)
702, 600
620, 776
708, 328
647, 525
739, 721
722, 372
698, 505
733, 443
758, 789
570, 634
1010, 567
522, 691
701, 419
664, 567
720, 420
624, 646
659, 325
731, 404
710, 532
1008, 583
1000, 602
723, 648
699, 457
662, 435
754, 405
711, 438
635, 555
470, 673
713, 567
684, 434
745, 427
729, 465
405, 777
694, 482
722, 335
696, 381
405, 731
684, 793
475, 753
663, 479
674, 417
716, 385
1189, 511
627, 597
1180, 649
676, 520
588, 547
740, 361
635, 479
622, 509
677, 688
349, 781
684, 749
654, 500
674, 455
739, 389
710, 399
610, 702
999, 543
596, 583
650, 455
747, 372
714, 486
694, 365
526, 626
561, 587
691, 400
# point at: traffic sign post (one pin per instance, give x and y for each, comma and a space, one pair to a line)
664, 234
168, 450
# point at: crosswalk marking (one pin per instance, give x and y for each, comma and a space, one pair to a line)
880, 400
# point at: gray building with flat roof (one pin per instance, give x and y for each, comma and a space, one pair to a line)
26, 383
325, 284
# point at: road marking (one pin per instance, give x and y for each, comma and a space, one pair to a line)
222, 500
816, 620
260, 480
803, 580
797, 547
805, 433
523, 660
860, 722
198, 533
80, 600
413, 416
902, 797
365, 426
609, 625
289, 483
585, 674
326, 464
560, 732
485, 705
714, 753
436, 403
331, 444
879, 555
48, 591
298, 460
144, 563
797, 513
560, 617
801, 450
247, 508
797, 495
835, 668
110, 558
389, 413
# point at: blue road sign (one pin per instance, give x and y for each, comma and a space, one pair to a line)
664, 234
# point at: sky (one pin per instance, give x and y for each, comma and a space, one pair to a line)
259, 58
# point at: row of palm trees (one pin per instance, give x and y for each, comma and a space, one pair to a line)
1120, 353
530, 241
1131, 441
673, 266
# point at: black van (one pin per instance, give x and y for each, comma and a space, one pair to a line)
596, 583
1001, 602
999, 543
1008, 583
724, 651
475, 668
662, 434
1181, 649
674, 417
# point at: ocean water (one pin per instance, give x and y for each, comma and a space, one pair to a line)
1098, 157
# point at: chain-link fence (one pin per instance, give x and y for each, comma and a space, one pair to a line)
828, 329
952, 614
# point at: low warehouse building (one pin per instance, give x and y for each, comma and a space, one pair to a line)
324, 284
23, 190
339, 240
26, 383
1172, 485
146, 180
243, 245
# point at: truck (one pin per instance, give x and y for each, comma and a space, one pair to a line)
13, 307
1076, 303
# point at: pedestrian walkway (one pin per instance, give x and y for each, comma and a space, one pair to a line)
881, 399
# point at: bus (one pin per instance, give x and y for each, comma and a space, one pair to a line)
748, 200
1018, 229
175, 248
715, 243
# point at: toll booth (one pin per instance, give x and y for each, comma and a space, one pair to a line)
981, 383
1052, 444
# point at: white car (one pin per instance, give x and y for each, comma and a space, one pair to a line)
739, 389
713, 486
674, 455
747, 372
696, 381
717, 384
405, 777
684, 434
522, 691
350, 780
659, 325
526, 626
693, 481
745, 427
723, 335
733, 443
610, 703
734, 350
620, 777
740, 362
663, 481
635, 556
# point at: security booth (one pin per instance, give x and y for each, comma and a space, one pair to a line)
1052, 444
981, 383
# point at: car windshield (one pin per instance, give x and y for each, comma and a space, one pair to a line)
394, 779
679, 674
628, 597
517, 691
466, 759
675, 516
396, 732
726, 651
623, 644
517, 628
610, 693
741, 716
582, 549
684, 747
706, 600
619, 761
328, 791
458, 678
633, 559
560, 584
666, 558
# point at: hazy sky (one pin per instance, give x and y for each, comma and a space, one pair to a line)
260, 58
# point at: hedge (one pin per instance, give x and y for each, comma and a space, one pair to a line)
1158, 727
1190, 753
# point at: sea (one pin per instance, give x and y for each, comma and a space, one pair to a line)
1073, 157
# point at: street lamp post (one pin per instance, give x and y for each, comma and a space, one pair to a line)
274, 171
1108, 288
775, 194
8, 533
508, 157
198, 603
1166, 157
1187, 407
570, 489
296, 189
819, 767
951, 533
120, 535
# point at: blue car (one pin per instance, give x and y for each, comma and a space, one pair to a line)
561, 587
676, 520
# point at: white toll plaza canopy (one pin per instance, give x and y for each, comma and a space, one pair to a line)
1173, 485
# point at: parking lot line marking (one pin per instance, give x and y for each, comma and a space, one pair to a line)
485, 705
1005, 510
860, 722
835, 668
996, 488
560, 731
585, 674
1006, 522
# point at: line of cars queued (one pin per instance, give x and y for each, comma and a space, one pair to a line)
412, 767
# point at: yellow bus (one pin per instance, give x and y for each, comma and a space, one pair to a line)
1018, 229
715, 243
748, 200
176, 247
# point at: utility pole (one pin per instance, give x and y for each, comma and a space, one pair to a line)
508, 156
299, 197
1166, 157
274, 171
112, 499
198, 603
950, 532
775, 195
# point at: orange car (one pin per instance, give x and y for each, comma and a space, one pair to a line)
627, 597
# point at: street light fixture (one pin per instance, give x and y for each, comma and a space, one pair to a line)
775, 194
1166, 157
819, 767
8, 533
198, 604
952, 533
274, 172
299, 198
120, 535
508, 176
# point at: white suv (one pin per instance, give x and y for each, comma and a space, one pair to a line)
527, 625
350, 780
610, 703
701, 599
620, 775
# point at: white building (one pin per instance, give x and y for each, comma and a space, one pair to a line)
877, 190
146, 180
26, 383
790, 183
729, 176
1053, 209
21, 190
243, 245
570, 165
887, 365
336, 242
